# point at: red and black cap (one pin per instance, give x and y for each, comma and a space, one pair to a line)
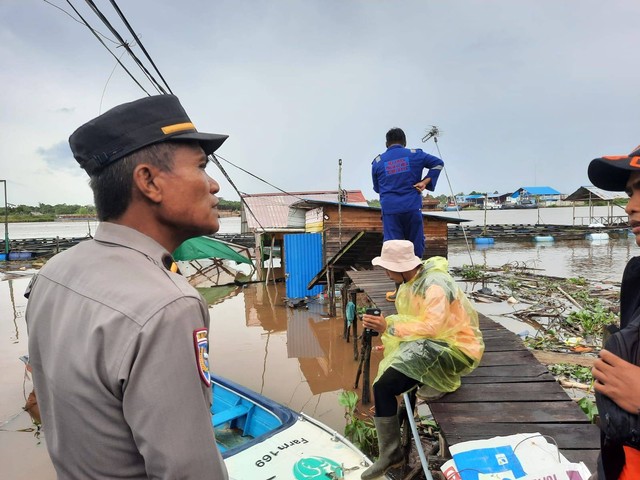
612, 172
135, 125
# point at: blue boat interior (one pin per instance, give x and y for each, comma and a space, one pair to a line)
242, 418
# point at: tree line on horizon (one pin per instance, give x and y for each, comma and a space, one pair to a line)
44, 212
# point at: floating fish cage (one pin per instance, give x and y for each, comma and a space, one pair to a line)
597, 236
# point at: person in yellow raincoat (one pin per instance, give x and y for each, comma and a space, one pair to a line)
433, 340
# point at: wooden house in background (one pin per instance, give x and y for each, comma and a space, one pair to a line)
310, 238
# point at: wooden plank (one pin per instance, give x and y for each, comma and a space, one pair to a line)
448, 414
589, 457
532, 370
578, 436
510, 392
520, 392
516, 357
517, 379
549, 358
511, 344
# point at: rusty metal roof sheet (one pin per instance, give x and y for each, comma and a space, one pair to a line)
271, 210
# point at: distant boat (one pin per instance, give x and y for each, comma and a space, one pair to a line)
490, 205
451, 208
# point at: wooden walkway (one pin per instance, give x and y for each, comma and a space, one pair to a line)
510, 392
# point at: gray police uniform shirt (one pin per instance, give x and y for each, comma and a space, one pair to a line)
111, 345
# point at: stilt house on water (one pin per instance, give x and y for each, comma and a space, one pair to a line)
310, 238
590, 195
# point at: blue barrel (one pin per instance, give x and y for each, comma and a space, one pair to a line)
20, 255
484, 240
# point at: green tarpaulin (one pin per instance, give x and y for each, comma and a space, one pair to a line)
206, 247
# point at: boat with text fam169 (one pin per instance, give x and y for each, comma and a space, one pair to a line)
262, 439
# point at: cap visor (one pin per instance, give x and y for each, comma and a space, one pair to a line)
611, 175
209, 142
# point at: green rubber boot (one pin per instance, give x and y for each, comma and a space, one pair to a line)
391, 454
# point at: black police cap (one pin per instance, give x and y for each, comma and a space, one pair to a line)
135, 125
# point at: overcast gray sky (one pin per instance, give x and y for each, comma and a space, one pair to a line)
526, 92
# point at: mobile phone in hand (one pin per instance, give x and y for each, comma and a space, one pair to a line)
371, 311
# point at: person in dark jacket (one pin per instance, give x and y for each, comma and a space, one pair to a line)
615, 377
397, 178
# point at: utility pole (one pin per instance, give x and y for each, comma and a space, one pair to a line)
6, 221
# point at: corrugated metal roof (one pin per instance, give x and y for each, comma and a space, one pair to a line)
430, 213
271, 210
589, 192
536, 191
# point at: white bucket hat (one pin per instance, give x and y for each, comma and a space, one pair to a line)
397, 256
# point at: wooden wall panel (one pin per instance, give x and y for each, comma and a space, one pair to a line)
355, 220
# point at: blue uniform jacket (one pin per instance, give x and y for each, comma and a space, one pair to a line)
396, 171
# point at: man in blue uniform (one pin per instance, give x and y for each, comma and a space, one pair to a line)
397, 178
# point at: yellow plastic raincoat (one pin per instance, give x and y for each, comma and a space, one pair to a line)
434, 338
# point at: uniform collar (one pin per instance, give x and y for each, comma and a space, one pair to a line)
395, 146
128, 237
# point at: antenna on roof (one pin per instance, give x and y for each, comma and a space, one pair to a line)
434, 133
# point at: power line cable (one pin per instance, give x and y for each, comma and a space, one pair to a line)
76, 20
259, 178
126, 45
135, 37
123, 43
224, 172
107, 83
108, 49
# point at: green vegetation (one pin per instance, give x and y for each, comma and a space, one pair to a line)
589, 407
471, 272
580, 374
577, 373
592, 320
47, 213
361, 432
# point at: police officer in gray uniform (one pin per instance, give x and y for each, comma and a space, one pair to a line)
117, 337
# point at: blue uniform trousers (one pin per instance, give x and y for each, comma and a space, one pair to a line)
405, 226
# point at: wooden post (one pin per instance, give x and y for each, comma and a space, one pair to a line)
332, 293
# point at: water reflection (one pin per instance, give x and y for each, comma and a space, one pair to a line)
294, 355
568, 258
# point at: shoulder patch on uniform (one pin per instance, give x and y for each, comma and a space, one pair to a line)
377, 159
201, 345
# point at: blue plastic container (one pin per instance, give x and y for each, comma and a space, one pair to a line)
484, 240
543, 238
20, 255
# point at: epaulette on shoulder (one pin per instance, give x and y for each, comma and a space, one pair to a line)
377, 159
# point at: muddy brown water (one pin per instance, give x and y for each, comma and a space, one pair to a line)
294, 356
